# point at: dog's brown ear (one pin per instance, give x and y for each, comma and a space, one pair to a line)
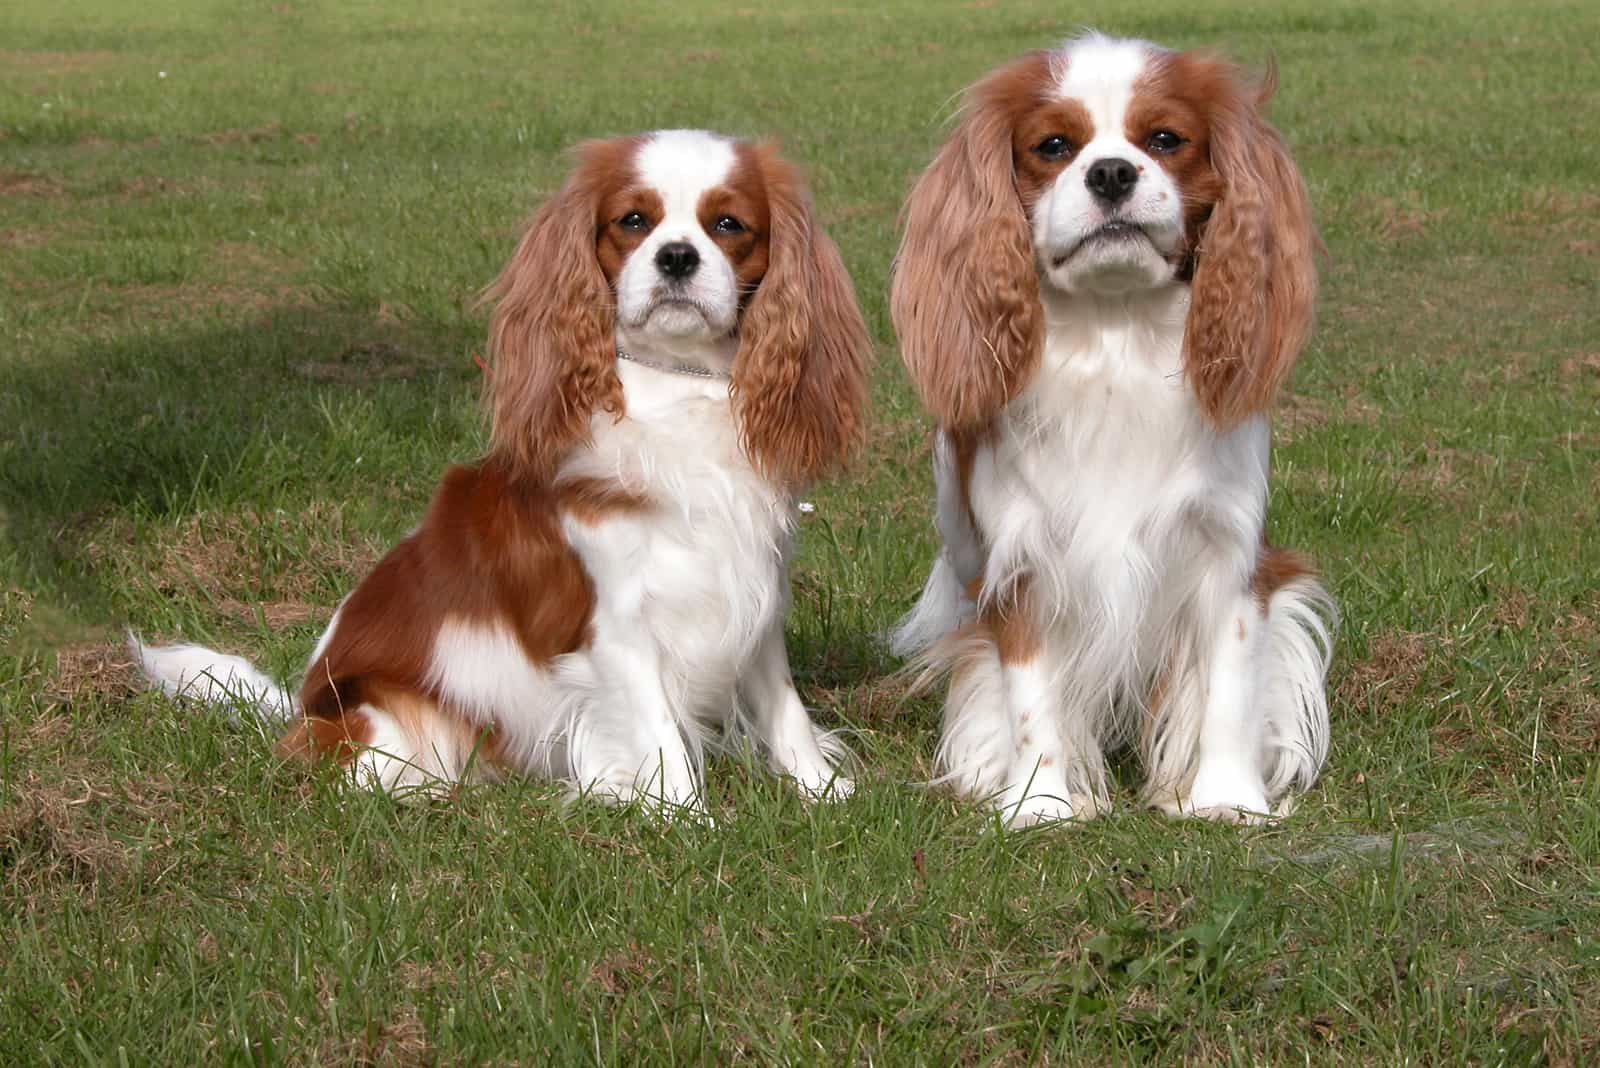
799, 379
965, 295
1255, 276
551, 345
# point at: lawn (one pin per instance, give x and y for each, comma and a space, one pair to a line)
239, 244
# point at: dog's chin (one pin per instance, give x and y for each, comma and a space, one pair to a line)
682, 319
1117, 258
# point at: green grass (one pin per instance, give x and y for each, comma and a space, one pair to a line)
235, 353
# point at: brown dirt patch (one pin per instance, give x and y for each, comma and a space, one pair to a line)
1540, 205
140, 186
54, 63
1454, 474
1389, 674
367, 361
244, 258
272, 131
1579, 624
622, 970
1568, 698
878, 700
1553, 694
1298, 413
401, 1040
31, 237
90, 670
1567, 219
28, 184
251, 565
1395, 219
49, 837
1583, 365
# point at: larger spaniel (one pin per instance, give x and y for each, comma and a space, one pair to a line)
1106, 275
676, 349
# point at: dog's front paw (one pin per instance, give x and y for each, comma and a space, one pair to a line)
1225, 799
824, 784
1036, 809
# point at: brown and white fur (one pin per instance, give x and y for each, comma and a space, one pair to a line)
606, 589
1107, 273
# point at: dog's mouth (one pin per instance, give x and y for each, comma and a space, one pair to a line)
671, 300
679, 315
1112, 231
676, 304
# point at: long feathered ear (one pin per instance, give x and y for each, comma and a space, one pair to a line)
799, 378
1255, 278
965, 295
552, 351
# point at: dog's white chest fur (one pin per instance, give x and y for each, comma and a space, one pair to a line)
702, 571
1107, 505
1107, 488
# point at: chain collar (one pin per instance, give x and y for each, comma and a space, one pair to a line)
671, 368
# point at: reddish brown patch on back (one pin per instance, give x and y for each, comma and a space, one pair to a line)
489, 551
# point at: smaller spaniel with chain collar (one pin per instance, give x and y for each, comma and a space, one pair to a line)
676, 351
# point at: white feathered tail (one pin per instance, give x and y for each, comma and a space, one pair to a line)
229, 683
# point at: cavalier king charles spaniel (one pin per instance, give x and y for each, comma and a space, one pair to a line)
675, 351
1106, 275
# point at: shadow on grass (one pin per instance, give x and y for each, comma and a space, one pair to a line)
160, 422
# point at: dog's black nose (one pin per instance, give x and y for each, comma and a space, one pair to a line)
677, 259
1111, 180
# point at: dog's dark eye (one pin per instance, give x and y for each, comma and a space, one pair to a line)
1164, 141
1054, 147
727, 224
634, 221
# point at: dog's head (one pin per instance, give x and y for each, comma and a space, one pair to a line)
1101, 169
704, 245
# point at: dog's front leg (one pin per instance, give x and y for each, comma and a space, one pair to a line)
628, 743
792, 743
632, 747
1227, 741
1037, 790
1055, 759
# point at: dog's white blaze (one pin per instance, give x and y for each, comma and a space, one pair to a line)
1100, 73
